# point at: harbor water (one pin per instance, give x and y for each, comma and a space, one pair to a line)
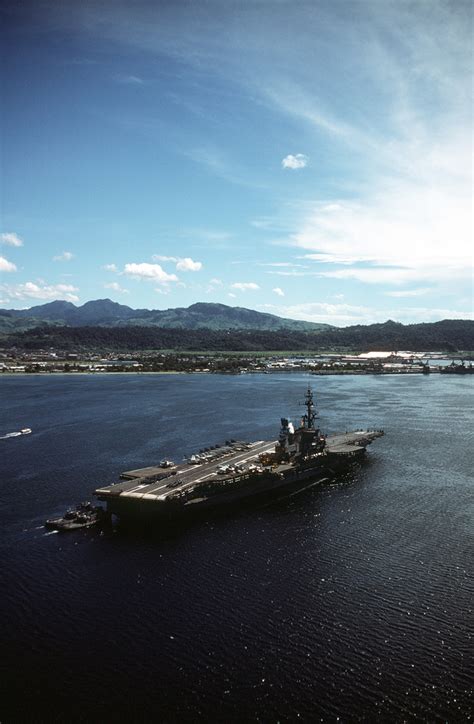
347, 602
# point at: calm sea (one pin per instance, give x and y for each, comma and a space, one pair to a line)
350, 602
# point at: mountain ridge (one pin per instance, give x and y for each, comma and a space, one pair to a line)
201, 315
103, 324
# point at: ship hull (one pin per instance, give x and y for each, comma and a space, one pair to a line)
261, 489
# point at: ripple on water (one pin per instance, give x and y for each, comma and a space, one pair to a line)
349, 600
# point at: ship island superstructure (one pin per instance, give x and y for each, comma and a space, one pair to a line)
237, 471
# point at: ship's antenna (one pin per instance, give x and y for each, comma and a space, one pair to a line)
310, 416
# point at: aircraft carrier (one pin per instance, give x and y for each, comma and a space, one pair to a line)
236, 472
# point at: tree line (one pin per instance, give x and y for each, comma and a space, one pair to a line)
447, 335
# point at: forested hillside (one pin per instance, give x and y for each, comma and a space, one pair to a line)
447, 335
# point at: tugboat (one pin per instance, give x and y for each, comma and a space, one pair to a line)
85, 515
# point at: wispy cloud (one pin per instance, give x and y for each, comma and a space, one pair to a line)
162, 257
410, 292
220, 164
294, 162
278, 291
80, 61
332, 258
418, 231
214, 285
281, 264
203, 238
385, 114
65, 256
292, 273
347, 314
213, 235
411, 209
110, 267
11, 239
270, 223
336, 314
129, 80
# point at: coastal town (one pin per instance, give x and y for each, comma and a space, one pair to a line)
373, 362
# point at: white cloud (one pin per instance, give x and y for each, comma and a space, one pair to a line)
279, 291
110, 267
403, 231
65, 256
216, 282
116, 288
294, 162
245, 286
6, 266
187, 264
184, 264
11, 239
32, 290
408, 172
152, 272
232, 296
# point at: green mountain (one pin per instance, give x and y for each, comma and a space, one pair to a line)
105, 313
103, 324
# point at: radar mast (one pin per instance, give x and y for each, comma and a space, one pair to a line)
309, 418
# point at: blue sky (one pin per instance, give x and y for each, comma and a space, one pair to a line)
309, 159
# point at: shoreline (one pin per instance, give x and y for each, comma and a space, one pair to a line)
316, 373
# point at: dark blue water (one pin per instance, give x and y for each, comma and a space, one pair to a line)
351, 601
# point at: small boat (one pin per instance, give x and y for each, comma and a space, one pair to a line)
84, 516
25, 430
